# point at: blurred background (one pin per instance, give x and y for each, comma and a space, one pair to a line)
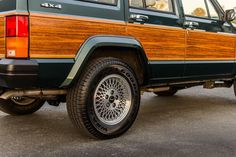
228, 4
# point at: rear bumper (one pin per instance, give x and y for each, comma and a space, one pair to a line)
18, 73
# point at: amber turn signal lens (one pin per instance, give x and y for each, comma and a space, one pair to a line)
17, 47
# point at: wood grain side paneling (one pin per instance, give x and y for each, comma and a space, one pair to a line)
62, 36
2, 39
53, 37
210, 46
160, 43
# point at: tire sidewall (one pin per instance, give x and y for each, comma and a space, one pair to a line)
125, 72
8, 106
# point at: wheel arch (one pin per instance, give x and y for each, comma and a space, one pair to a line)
93, 44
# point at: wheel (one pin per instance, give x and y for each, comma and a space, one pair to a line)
105, 101
21, 105
170, 92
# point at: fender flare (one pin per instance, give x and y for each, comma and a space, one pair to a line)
95, 42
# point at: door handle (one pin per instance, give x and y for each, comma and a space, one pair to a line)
191, 24
138, 18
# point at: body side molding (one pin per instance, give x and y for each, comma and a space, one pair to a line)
99, 41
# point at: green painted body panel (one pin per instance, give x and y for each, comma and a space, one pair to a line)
14, 5
22, 5
52, 72
167, 69
209, 68
197, 70
7, 5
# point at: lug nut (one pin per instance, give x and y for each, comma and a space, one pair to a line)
112, 92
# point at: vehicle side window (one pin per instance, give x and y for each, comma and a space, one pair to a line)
103, 1
159, 5
195, 8
136, 3
213, 13
200, 8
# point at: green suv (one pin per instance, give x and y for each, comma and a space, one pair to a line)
98, 56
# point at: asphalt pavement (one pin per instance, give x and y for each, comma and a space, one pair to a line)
194, 123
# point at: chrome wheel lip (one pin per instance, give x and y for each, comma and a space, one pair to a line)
115, 99
26, 101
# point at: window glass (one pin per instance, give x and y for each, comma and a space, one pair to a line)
212, 11
103, 1
160, 5
136, 3
195, 8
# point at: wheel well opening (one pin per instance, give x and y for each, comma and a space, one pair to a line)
131, 56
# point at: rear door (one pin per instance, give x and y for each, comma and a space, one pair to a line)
155, 23
210, 43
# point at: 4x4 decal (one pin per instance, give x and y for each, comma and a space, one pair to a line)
50, 5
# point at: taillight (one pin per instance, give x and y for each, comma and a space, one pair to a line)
17, 36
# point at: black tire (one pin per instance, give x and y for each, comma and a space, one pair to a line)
81, 99
170, 92
12, 108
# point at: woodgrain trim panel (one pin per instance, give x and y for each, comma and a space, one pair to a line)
160, 43
57, 36
2, 37
75, 18
53, 37
209, 46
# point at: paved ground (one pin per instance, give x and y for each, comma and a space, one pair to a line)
196, 123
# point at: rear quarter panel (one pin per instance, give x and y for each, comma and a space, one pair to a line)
56, 35
59, 33
61, 36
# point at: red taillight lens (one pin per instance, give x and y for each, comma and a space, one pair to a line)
17, 26
17, 33
11, 26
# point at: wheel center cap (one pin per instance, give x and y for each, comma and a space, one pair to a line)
111, 99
